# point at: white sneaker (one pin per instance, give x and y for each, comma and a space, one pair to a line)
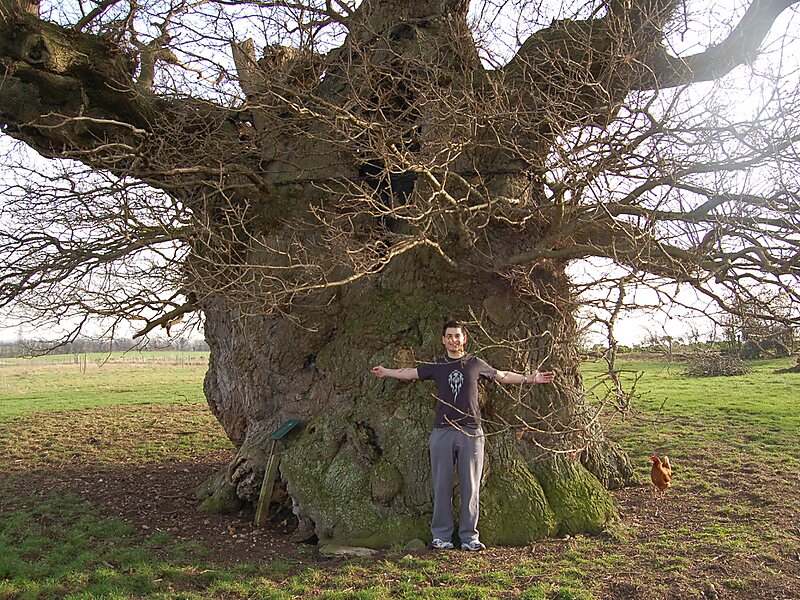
473, 546
442, 544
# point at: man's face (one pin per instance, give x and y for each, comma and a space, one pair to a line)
453, 340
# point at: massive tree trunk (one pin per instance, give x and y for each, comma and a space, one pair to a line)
360, 468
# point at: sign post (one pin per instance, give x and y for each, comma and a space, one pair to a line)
262, 509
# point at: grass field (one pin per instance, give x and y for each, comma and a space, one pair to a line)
64, 382
98, 462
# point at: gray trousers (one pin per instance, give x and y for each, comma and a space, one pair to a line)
453, 450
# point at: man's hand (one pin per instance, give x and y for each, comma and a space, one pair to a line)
541, 377
379, 371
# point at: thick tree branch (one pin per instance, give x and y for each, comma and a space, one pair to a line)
94, 13
73, 95
662, 70
167, 320
577, 72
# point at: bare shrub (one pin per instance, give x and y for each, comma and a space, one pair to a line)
713, 364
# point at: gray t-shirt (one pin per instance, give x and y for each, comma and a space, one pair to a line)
457, 386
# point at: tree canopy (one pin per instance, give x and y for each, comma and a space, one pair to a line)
584, 135
290, 147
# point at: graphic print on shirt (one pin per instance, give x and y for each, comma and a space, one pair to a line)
456, 380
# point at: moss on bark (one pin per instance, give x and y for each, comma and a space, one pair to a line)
351, 491
218, 495
514, 508
577, 498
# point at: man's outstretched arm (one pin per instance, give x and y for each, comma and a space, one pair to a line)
536, 377
406, 374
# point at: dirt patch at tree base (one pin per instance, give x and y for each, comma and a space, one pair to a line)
628, 563
159, 498
728, 528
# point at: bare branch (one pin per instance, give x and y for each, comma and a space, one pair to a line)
661, 70
94, 13
167, 320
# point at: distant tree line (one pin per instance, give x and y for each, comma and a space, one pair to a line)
747, 341
20, 348
751, 337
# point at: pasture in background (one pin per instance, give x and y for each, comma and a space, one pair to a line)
74, 381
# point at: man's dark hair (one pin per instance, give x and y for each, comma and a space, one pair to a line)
455, 325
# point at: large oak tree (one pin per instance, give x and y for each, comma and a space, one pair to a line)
327, 181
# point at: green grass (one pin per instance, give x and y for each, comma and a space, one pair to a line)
716, 430
756, 413
47, 383
170, 420
58, 545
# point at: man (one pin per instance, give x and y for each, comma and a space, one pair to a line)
457, 439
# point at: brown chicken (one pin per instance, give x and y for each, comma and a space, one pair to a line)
660, 475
